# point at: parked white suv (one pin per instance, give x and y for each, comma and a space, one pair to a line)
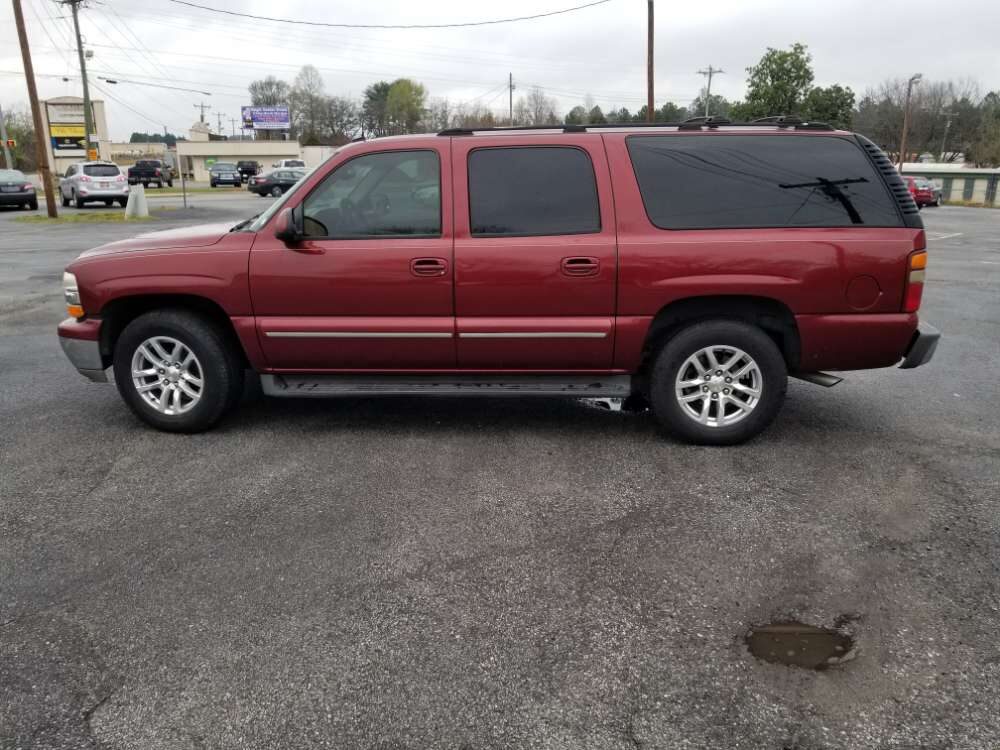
89, 181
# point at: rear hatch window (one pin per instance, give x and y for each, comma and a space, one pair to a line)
101, 170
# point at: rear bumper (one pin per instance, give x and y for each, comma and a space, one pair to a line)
854, 342
17, 199
922, 347
80, 342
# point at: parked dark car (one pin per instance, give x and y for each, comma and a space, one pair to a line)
15, 190
247, 169
149, 171
224, 173
275, 183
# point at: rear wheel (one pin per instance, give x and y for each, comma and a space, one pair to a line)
65, 200
33, 205
176, 371
122, 202
170, 183
718, 382
276, 191
77, 200
109, 202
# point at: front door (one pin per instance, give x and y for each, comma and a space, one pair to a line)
370, 288
535, 253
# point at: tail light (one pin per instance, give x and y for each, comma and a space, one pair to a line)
27, 186
157, 173
915, 281
120, 178
84, 178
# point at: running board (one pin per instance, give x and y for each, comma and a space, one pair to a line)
329, 386
824, 379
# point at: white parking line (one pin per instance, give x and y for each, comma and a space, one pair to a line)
991, 262
944, 236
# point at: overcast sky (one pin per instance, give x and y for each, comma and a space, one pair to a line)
600, 51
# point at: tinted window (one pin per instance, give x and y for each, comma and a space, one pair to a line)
153, 164
717, 181
532, 191
222, 166
394, 193
100, 170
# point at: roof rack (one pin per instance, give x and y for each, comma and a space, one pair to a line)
693, 123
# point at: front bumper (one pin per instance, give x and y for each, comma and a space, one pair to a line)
922, 347
80, 341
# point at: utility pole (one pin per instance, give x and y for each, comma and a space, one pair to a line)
8, 160
944, 138
510, 99
41, 150
649, 62
88, 113
232, 123
708, 88
906, 118
202, 107
218, 118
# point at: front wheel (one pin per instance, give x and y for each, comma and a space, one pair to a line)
176, 371
718, 382
77, 201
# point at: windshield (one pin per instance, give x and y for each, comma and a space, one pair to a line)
11, 175
100, 170
221, 166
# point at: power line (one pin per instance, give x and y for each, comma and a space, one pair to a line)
390, 26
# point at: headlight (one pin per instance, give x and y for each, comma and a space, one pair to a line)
71, 293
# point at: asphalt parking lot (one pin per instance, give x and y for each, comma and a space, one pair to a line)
457, 574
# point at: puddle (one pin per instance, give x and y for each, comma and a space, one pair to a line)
800, 645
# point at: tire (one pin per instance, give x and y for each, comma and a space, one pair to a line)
109, 203
33, 206
77, 200
65, 200
123, 202
937, 203
276, 191
159, 184
215, 361
729, 339
170, 183
211, 184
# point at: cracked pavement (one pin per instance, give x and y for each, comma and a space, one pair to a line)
452, 573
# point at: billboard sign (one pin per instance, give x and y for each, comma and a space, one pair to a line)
67, 137
265, 118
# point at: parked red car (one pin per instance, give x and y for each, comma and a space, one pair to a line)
923, 192
692, 267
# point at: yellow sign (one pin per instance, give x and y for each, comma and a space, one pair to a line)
67, 131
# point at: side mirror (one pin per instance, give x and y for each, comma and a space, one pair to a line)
288, 227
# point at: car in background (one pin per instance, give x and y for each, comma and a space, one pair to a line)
92, 181
275, 183
923, 191
224, 173
247, 169
148, 171
15, 190
289, 163
938, 193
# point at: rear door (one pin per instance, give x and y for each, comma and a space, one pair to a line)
535, 253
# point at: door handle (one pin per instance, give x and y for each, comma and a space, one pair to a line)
428, 266
581, 266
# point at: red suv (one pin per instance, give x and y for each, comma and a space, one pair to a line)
922, 191
692, 267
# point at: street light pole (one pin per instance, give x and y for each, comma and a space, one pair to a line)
944, 138
914, 79
88, 113
649, 61
41, 139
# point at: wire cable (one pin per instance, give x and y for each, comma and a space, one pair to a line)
390, 26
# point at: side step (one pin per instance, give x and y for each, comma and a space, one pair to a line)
824, 379
329, 386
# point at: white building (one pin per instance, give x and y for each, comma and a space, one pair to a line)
196, 155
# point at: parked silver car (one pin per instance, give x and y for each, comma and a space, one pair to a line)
89, 181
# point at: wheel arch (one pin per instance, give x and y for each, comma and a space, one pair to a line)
119, 312
773, 316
